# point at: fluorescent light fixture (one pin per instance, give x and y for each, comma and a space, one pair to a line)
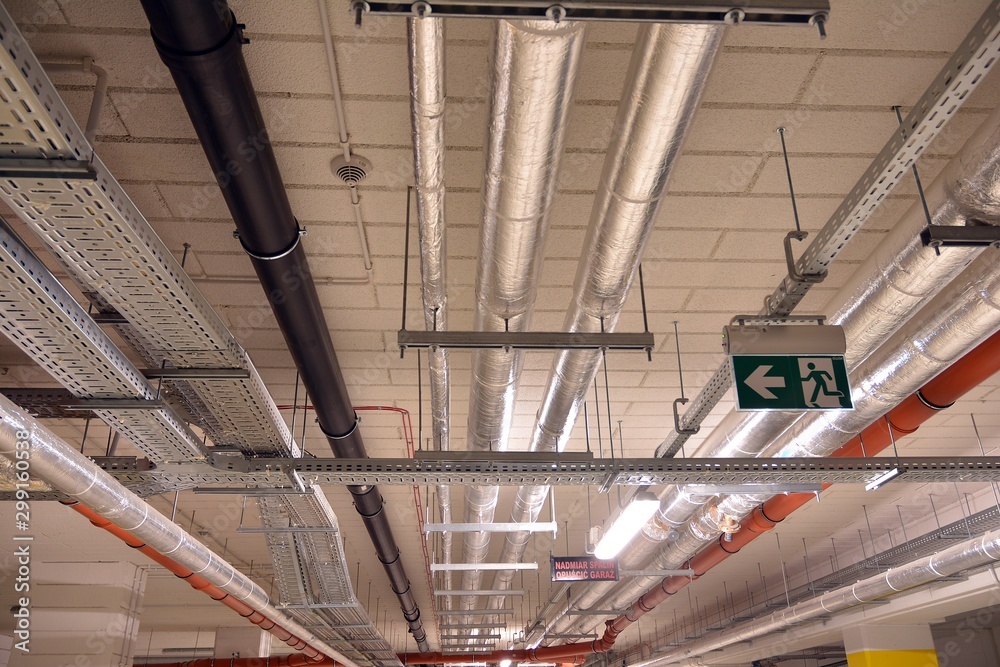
882, 479
629, 523
505, 662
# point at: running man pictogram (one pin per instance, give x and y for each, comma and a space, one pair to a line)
820, 377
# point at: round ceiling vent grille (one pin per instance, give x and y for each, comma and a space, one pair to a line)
352, 172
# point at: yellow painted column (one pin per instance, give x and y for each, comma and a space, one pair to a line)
890, 646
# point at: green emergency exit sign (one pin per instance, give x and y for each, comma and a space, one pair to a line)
787, 382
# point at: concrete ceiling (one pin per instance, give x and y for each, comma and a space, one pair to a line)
716, 250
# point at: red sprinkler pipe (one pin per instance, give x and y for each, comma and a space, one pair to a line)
938, 394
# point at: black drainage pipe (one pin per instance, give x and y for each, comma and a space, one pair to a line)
201, 43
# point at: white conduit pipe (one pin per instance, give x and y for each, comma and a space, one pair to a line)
426, 40
63, 468
345, 144
331, 65
88, 66
947, 562
899, 276
534, 66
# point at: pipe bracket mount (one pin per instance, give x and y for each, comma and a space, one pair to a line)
793, 273
677, 419
354, 427
300, 232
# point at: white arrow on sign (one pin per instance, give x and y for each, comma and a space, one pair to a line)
759, 381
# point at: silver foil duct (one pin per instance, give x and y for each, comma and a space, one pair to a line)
533, 69
958, 319
667, 75
63, 468
886, 290
425, 37
947, 562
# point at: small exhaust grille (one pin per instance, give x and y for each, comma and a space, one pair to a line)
352, 172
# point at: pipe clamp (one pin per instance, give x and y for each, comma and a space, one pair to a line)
300, 232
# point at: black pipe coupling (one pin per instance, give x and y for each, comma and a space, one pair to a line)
381, 507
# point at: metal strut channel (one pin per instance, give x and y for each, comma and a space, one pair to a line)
768, 12
525, 340
952, 87
629, 472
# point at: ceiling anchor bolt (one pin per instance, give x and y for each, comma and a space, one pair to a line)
819, 20
682, 400
359, 9
793, 273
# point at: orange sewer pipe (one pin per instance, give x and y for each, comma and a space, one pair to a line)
938, 394
308, 655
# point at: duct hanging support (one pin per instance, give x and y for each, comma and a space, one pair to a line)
645, 317
798, 234
406, 258
936, 236
683, 399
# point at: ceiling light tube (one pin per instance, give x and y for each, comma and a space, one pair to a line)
627, 525
882, 479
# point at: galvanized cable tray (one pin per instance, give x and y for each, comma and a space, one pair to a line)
46, 323
951, 88
311, 570
66, 195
